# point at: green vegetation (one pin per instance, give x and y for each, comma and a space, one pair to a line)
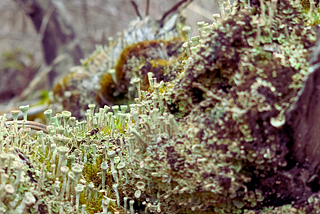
207, 140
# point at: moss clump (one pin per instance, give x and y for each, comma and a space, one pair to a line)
91, 171
226, 150
231, 144
155, 56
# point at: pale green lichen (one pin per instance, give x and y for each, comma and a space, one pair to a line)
204, 142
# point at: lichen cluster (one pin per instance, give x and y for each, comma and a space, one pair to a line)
233, 96
106, 76
212, 139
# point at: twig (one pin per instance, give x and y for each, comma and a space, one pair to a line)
84, 8
45, 22
29, 124
177, 7
135, 6
147, 7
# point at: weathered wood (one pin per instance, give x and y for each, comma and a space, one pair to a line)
304, 120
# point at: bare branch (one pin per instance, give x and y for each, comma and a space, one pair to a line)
176, 8
45, 22
147, 7
135, 6
84, 7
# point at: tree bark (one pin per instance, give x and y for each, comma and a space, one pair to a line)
304, 119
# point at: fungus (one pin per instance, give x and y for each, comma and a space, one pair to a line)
77, 173
104, 167
137, 193
24, 110
136, 82
18, 167
112, 72
95, 193
115, 176
64, 171
278, 121
125, 204
140, 185
62, 153
15, 119
86, 149
94, 151
78, 190
111, 155
220, 4
105, 205
83, 209
115, 188
28, 200
131, 202
120, 168
9, 189
11, 158
58, 119
90, 187
3, 158
66, 116
71, 180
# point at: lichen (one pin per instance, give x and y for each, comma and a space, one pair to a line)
210, 138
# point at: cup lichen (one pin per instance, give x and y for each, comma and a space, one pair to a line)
203, 136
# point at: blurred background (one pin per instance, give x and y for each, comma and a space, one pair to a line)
93, 21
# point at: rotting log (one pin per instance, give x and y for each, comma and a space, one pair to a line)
304, 120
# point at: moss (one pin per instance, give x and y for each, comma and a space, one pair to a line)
137, 60
94, 206
220, 153
68, 86
92, 171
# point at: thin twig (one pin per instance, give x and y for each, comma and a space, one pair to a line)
147, 7
135, 6
84, 8
177, 7
28, 124
45, 22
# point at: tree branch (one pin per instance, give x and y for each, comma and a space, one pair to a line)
135, 6
177, 7
147, 7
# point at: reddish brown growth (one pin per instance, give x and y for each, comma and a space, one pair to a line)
137, 60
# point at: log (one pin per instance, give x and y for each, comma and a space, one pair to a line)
303, 119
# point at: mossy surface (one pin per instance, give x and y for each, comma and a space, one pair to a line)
208, 136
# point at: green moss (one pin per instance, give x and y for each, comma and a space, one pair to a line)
91, 170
